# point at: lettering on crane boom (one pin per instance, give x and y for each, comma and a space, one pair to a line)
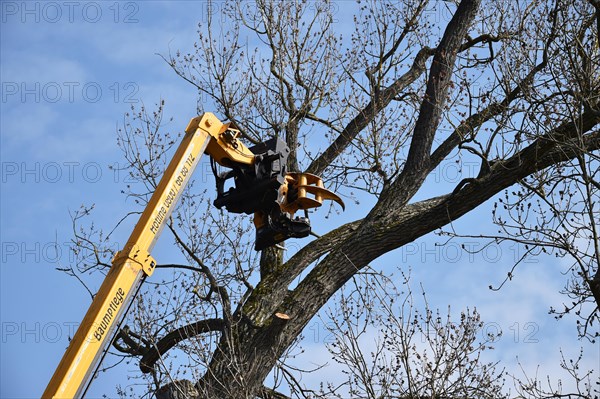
172, 195
111, 312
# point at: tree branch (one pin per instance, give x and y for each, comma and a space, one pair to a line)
268, 393
376, 238
274, 285
417, 165
174, 337
177, 266
366, 115
440, 77
214, 285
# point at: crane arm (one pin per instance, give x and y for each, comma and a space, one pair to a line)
130, 267
262, 187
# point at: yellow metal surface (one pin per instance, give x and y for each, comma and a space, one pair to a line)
98, 324
169, 189
139, 256
225, 148
304, 184
132, 264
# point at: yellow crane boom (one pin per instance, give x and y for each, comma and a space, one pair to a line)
262, 187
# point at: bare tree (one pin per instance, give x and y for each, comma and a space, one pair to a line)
535, 387
418, 352
374, 111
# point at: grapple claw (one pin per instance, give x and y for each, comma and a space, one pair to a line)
296, 187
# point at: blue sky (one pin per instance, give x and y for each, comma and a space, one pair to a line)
69, 71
